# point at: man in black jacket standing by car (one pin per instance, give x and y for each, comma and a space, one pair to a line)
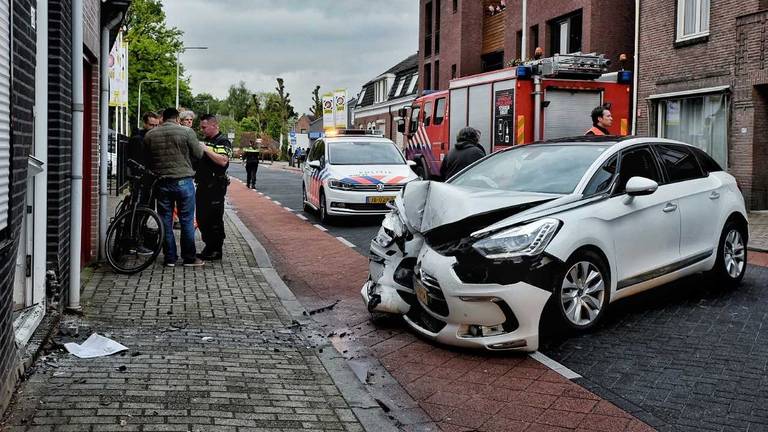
212, 182
464, 153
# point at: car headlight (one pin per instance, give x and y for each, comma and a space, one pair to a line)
392, 227
338, 184
526, 240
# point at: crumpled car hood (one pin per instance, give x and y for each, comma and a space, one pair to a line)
427, 205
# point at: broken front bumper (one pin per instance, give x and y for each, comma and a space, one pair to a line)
389, 287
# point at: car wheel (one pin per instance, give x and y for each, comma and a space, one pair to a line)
304, 199
424, 169
582, 292
324, 216
731, 261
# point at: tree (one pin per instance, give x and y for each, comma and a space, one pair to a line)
317, 103
238, 100
152, 48
205, 103
286, 111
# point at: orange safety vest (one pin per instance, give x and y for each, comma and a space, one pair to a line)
594, 130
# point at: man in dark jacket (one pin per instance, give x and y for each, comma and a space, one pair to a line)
464, 153
251, 158
135, 144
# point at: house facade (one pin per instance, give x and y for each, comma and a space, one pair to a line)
459, 38
703, 79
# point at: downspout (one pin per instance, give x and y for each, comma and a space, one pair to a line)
536, 107
41, 152
104, 133
76, 222
524, 41
636, 67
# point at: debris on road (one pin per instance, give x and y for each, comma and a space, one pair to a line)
323, 309
95, 346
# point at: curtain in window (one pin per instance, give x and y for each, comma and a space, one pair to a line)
700, 121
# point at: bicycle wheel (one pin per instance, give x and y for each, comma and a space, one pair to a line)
134, 240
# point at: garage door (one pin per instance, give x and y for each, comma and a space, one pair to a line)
568, 112
5, 112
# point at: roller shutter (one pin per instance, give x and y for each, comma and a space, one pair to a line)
5, 112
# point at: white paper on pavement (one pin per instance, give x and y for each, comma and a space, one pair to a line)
95, 346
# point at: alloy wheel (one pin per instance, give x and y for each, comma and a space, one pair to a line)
734, 254
582, 293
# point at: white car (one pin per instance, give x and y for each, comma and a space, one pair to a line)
574, 224
353, 173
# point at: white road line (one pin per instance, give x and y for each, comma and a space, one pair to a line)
345, 241
289, 209
301, 216
320, 227
260, 193
555, 366
267, 197
277, 202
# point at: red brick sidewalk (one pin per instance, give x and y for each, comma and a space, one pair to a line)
460, 391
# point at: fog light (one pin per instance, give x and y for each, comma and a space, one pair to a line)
338, 205
476, 330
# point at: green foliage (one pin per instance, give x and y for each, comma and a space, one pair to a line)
317, 103
249, 124
152, 48
205, 103
238, 100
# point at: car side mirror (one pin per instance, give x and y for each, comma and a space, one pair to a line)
411, 163
314, 164
639, 186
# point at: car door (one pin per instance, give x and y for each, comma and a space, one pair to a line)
698, 195
306, 175
645, 229
313, 182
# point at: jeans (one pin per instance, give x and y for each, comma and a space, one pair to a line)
179, 193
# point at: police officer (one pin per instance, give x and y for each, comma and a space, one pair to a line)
251, 157
601, 121
212, 182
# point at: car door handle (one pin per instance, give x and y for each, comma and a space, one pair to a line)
670, 207
714, 195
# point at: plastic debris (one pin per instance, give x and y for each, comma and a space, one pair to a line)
95, 346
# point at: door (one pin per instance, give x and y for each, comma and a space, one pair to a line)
567, 112
645, 229
313, 176
699, 198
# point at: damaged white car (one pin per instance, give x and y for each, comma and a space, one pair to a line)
575, 224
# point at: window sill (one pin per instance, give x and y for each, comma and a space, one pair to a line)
703, 38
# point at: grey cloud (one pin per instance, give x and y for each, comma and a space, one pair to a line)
333, 43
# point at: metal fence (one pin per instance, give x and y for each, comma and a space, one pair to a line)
118, 159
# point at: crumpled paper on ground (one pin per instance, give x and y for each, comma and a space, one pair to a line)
95, 346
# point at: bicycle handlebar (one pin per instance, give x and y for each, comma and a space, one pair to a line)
139, 169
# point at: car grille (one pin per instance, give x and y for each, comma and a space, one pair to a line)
435, 298
374, 188
360, 207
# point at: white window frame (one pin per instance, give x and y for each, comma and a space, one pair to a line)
700, 14
400, 87
414, 82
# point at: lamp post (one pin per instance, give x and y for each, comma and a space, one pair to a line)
138, 113
177, 67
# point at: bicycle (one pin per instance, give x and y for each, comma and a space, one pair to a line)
135, 234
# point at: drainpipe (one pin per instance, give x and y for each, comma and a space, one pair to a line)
636, 67
104, 133
41, 152
76, 222
536, 107
523, 43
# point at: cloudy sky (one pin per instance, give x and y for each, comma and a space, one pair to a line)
331, 43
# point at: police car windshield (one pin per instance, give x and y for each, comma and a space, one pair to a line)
548, 168
364, 153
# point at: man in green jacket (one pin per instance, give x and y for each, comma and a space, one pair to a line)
169, 151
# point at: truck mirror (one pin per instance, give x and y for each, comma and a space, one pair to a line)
401, 127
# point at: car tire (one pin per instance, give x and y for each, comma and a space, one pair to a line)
425, 175
325, 218
581, 293
304, 201
731, 263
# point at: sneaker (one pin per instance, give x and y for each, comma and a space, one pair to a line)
169, 264
141, 250
213, 256
196, 263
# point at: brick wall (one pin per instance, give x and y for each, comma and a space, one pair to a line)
59, 138
731, 55
22, 126
389, 124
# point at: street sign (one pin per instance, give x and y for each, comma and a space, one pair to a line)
231, 136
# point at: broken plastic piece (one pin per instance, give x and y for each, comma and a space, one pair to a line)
95, 346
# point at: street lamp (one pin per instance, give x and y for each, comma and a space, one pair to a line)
138, 114
177, 67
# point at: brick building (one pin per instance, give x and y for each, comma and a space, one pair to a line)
703, 76
458, 38
36, 162
378, 101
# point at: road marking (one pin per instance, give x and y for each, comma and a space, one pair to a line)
277, 202
320, 227
267, 197
260, 193
301, 216
289, 209
555, 366
345, 241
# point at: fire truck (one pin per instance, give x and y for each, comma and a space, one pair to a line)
546, 98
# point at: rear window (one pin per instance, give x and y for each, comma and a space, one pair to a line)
679, 161
707, 163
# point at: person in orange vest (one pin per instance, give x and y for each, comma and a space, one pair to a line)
601, 121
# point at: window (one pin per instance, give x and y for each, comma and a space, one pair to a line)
533, 41
437, 75
453, 71
707, 163
427, 76
519, 45
412, 85
692, 19
400, 84
566, 34
455, 6
492, 61
303, 131
427, 113
381, 93
699, 120
317, 151
638, 162
602, 179
680, 163
414, 120
428, 29
437, 27
439, 111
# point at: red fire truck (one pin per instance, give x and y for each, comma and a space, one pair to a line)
543, 99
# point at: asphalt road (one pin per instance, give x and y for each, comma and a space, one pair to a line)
284, 187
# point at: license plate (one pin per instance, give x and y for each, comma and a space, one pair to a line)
379, 199
421, 294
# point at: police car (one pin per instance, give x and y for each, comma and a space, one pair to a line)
353, 172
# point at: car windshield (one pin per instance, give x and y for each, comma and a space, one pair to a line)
555, 169
365, 153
